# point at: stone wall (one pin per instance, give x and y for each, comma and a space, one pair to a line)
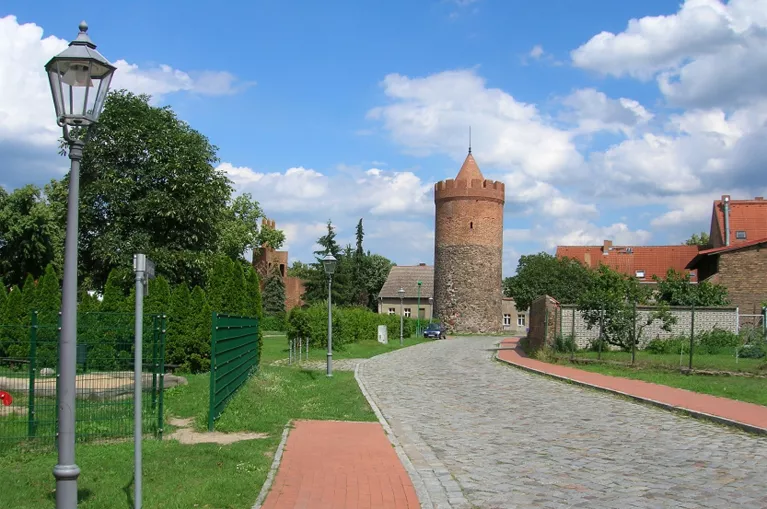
467, 288
706, 319
544, 322
744, 273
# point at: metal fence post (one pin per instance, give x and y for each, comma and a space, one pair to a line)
692, 332
32, 369
213, 328
154, 361
634, 333
572, 334
160, 409
601, 332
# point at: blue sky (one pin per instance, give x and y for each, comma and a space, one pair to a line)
621, 121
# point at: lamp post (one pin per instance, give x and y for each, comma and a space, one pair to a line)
329, 263
431, 308
79, 77
418, 317
401, 293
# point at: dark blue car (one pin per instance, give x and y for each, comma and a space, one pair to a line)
434, 331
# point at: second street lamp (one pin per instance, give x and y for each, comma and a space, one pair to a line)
329, 264
79, 77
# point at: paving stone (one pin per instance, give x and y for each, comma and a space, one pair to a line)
512, 439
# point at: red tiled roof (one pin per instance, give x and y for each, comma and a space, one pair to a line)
745, 215
724, 249
652, 260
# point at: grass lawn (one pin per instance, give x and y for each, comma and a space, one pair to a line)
751, 390
276, 348
720, 362
202, 475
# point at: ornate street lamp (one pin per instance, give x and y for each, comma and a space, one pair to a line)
329, 263
79, 78
401, 293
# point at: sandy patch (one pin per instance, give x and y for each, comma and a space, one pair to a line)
186, 435
104, 385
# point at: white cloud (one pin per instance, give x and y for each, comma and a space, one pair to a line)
537, 52
26, 107
708, 54
593, 111
432, 115
576, 232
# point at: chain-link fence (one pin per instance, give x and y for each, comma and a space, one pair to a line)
29, 353
702, 339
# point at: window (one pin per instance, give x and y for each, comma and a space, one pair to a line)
740, 234
392, 311
506, 320
407, 312
520, 320
471, 225
640, 274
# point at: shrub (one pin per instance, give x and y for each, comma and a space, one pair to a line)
716, 341
668, 346
274, 322
753, 350
564, 343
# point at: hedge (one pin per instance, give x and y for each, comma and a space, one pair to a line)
350, 325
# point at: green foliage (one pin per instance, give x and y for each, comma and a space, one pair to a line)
753, 350
48, 296
564, 344
13, 334
149, 183
159, 298
350, 325
29, 293
696, 239
113, 300
544, 274
31, 237
274, 322
253, 297
609, 304
274, 294
677, 290
717, 341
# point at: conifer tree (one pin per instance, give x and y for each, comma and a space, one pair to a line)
158, 300
29, 293
14, 317
274, 294
113, 300
179, 327
196, 348
47, 304
253, 294
236, 296
218, 280
3, 297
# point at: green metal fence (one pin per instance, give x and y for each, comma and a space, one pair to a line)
234, 355
29, 354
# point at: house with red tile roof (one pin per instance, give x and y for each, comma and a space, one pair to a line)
641, 262
737, 258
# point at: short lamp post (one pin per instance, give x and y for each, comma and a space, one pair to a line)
431, 309
329, 263
418, 316
79, 77
401, 293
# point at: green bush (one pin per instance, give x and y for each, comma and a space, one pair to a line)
668, 346
350, 325
716, 341
276, 322
564, 343
753, 350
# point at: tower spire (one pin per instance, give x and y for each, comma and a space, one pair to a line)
469, 139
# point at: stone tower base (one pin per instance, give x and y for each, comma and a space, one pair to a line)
467, 288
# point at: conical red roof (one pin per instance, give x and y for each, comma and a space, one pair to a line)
469, 170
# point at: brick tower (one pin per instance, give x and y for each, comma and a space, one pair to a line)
468, 251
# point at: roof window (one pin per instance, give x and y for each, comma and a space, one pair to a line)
640, 274
740, 234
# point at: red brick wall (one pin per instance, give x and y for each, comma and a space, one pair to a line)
294, 289
744, 273
544, 316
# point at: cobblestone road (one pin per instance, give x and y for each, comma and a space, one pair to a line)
483, 434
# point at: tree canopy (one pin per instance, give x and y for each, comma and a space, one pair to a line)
698, 239
544, 274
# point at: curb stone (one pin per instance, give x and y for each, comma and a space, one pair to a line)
273, 470
660, 404
424, 488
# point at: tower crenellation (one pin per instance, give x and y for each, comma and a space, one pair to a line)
468, 250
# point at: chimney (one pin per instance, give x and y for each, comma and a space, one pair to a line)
422, 264
726, 206
608, 244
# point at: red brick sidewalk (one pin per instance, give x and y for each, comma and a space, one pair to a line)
747, 415
332, 464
